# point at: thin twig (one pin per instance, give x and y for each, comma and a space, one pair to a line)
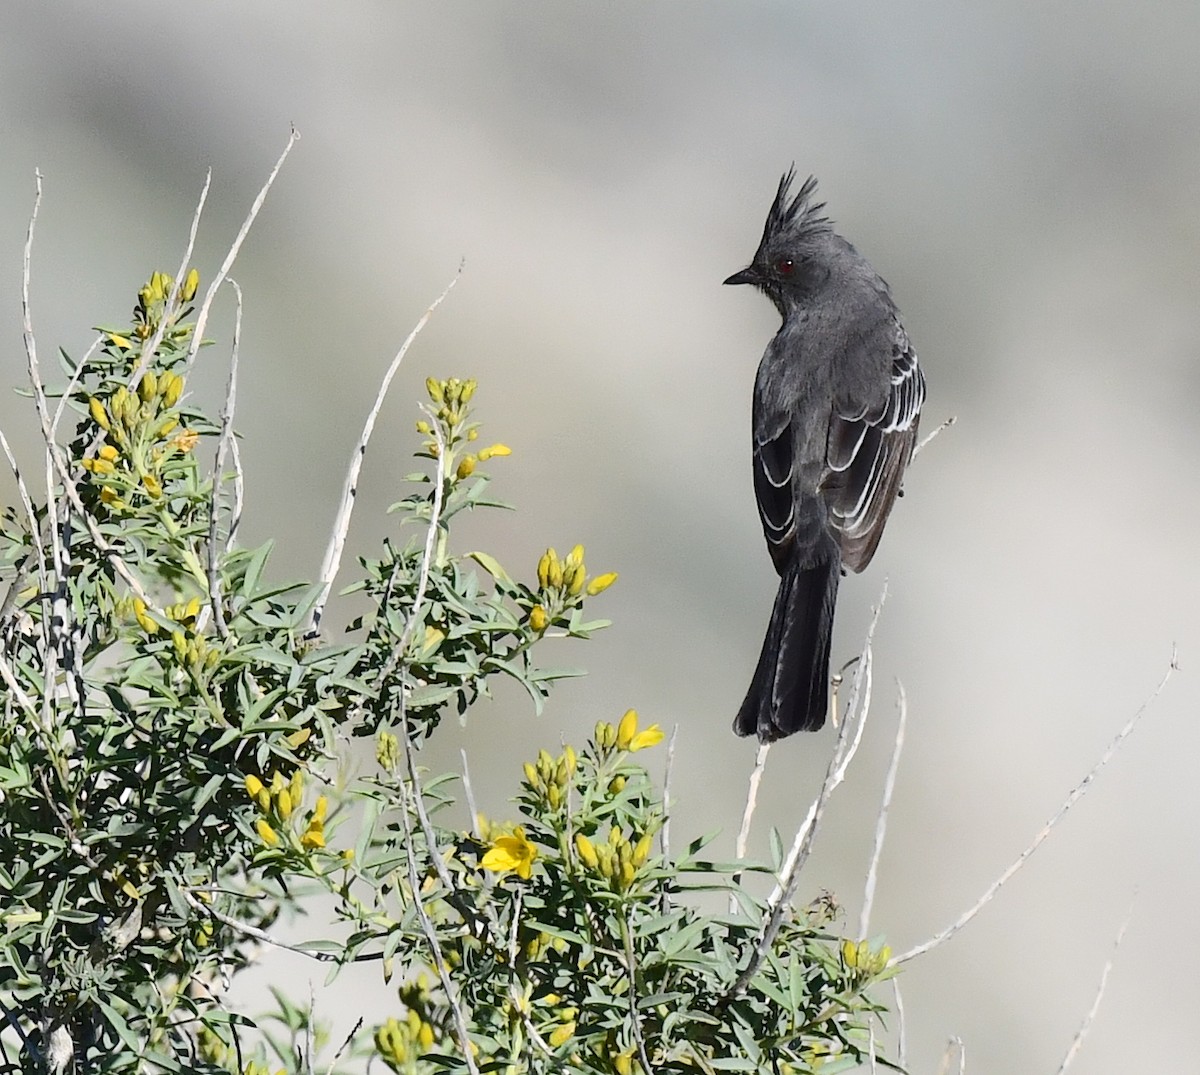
227, 264
901, 1026
1076, 794
664, 835
743, 836
953, 1045
76, 373
631, 966
470, 795
308, 1034
760, 763
150, 348
889, 787
30, 513
223, 443
345, 1045
1088, 1019
779, 902
945, 425
262, 936
435, 949
341, 524
844, 751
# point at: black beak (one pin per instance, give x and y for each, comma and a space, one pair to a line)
748, 275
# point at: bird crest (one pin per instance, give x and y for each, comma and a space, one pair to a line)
798, 217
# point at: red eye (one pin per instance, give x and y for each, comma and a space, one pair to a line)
785, 266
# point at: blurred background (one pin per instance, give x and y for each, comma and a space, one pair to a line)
1027, 178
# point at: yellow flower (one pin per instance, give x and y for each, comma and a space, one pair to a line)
152, 484
99, 414
648, 737
601, 583
511, 853
185, 440
494, 451
562, 1035
467, 466
538, 618
190, 283
268, 834
586, 850
627, 729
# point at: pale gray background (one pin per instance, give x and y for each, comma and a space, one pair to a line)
1025, 175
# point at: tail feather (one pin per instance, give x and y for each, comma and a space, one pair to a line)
790, 689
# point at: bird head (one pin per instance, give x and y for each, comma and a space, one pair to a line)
798, 248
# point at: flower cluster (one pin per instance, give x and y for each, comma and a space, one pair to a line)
278, 803
142, 436
562, 584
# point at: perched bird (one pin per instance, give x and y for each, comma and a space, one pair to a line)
837, 399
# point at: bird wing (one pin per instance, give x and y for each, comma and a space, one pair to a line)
868, 449
773, 459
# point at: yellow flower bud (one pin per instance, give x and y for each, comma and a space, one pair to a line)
466, 467
425, 1036
553, 796
531, 775
253, 785
575, 556
543, 567
625, 877
616, 785
468, 390
179, 641
98, 413
424, 428
647, 737
111, 498
562, 1035
190, 283
641, 850
109, 453
601, 583
283, 803
627, 729
574, 578
148, 389
172, 391
538, 618
555, 574
570, 757
586, 850
266, 833
152, 484
434, 388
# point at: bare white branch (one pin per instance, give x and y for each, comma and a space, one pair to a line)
1088, 1019
341, 524
664, 835
227, 264
224, 442
1076, 794
844, 750
945, 425
889, 787
743, 836
150, 348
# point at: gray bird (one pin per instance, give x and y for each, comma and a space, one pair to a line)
837, 400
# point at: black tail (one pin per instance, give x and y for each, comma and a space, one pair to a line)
790, 689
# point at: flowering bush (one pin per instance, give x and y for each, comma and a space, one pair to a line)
173, 719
